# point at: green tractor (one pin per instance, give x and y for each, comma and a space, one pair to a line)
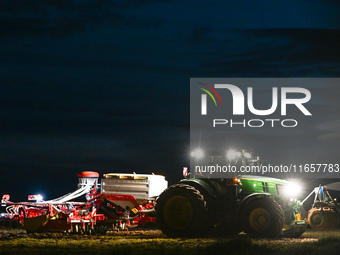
258, 206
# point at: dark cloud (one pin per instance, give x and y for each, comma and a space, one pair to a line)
201, 35
304, 45
331, 137
330, 126
60, 18
275, 53
104, 85
331, 131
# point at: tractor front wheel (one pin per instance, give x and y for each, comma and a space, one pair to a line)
262, 217
181, 212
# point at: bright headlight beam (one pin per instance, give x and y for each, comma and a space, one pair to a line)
247, 155
198, 153
293, 189
233, 154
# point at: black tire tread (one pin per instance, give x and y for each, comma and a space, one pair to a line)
199, 225
330, 218
275, 210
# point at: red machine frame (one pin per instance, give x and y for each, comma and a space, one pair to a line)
100, 213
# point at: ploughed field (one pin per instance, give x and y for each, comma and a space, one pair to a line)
17, 241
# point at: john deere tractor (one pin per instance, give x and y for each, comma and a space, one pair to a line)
258, 206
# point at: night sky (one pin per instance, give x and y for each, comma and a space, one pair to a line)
104, 85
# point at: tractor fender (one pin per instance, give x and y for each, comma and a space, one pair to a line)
202, 186
254, 196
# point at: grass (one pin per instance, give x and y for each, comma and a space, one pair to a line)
311, 243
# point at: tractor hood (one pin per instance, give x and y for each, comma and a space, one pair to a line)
260, 184
263, 179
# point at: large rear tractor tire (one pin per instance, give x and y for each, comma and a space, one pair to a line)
181, 212
323, 218
262, 217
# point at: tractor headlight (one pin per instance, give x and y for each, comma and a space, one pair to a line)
198, 153
292, 189
247, 155
232, 154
